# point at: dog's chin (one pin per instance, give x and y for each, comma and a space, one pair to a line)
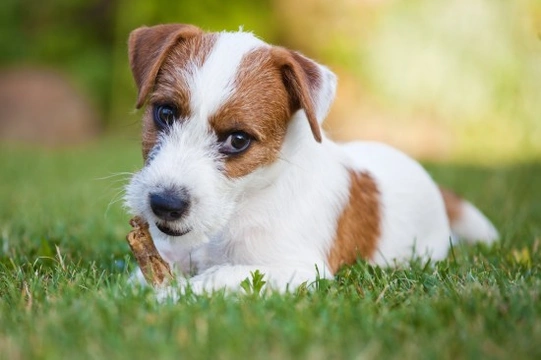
172, 232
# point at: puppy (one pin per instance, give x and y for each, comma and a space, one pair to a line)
239, 176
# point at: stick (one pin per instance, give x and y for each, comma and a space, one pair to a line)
156, 271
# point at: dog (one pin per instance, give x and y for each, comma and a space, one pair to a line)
239, 177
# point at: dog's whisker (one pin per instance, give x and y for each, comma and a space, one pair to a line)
118, 197
290, 162
125, 175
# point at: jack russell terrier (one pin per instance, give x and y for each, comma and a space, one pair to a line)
239, 176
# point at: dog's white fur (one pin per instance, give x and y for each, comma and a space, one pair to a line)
281, 219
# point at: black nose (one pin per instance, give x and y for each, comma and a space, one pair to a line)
169, 205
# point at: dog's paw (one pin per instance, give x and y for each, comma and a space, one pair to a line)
173, 292
168, 294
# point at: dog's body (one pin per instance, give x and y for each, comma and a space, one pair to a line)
234, 181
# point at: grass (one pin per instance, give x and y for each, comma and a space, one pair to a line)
64, 265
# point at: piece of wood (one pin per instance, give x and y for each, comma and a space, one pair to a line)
156, 271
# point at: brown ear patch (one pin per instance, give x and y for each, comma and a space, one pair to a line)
148, 47
359, 225
311, 71
301, 78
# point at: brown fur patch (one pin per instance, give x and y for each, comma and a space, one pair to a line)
170, 85
302, 79
148, 48
260, 107
359, 225
310, 70
453, 204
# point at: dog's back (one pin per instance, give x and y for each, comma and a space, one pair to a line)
416, 219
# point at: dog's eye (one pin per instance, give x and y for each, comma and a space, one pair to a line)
164, 115
235, 143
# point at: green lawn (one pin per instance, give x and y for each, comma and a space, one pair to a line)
64, 265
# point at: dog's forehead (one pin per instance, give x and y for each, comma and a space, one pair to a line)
203, 71
215, 80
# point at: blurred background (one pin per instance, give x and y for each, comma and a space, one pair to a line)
444, 80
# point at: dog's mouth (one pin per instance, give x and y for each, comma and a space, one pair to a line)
172, 232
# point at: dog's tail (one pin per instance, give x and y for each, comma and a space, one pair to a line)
467, 222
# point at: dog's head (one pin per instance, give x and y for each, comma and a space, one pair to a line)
218, 110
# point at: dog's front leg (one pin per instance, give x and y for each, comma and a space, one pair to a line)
230, 277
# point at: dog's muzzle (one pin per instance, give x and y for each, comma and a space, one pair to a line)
170, 205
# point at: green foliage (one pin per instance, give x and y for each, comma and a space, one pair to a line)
472, 65
87, 38
64, 267
254, 285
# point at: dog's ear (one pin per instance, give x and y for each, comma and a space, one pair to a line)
311, 86
148, 47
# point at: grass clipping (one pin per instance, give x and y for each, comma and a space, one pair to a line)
156, 271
